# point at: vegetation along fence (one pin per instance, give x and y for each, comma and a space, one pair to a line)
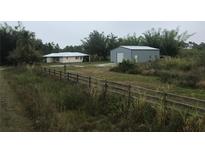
130, 91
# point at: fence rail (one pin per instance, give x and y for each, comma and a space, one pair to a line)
130, 91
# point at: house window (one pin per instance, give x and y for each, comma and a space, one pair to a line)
76, 57
56, 59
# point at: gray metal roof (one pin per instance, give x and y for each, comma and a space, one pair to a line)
66, 54
139, 47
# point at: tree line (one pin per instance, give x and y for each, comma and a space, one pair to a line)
18, 45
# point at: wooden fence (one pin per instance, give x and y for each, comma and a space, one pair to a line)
130, 91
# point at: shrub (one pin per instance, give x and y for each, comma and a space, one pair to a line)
190, 79
201, 84
200, 59
127, 67
167, 76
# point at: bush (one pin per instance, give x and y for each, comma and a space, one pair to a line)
167, 76
200, 59
173, 64
127, 67
189, 79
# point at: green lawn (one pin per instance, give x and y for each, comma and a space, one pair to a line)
153, 82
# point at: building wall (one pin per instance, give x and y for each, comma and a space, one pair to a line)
142, 55
126, 52
70, 59
145, 56
49, 60
65, 60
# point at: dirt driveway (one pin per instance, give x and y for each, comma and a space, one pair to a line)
10, 108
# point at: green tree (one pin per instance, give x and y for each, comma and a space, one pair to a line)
96, 45
12, 40
200, 46
71, 48
131, 40
8, 37
25, 51
168, 41
112, 42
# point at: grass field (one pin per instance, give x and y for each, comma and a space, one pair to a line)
57, 105
153, 82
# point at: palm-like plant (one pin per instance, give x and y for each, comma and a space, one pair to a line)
168, 41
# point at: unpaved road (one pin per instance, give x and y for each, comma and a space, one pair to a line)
11, 118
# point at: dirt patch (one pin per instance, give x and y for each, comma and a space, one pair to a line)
106, 65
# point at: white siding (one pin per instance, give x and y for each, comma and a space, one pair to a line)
49, 60
65, 59
120, 57
71, 59
114, 52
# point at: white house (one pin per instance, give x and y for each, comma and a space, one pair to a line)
65, 57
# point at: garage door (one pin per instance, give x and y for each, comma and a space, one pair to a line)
136, 58
120, 57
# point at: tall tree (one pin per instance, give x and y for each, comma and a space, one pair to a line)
8, 37
13, 39
71, 48
96, 45
25, 51
112, 42
168, 41
131, 40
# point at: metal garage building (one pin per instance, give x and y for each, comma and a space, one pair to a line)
134, 53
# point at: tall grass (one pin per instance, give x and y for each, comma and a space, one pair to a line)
53, 105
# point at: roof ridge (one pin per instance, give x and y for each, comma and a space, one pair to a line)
138, 47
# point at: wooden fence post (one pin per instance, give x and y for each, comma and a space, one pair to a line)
54, 72
68, 76
164, 99
60, 74
105, 88
64, 68
89, 82
77, 76
164, 107
129, 94
64, 75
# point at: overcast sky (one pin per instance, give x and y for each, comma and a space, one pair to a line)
72, 32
